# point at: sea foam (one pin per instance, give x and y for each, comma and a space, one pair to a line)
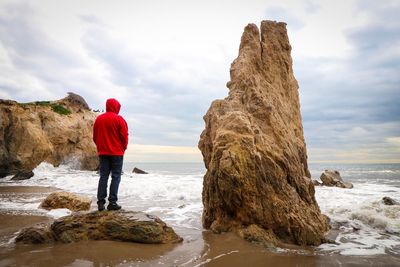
365, 225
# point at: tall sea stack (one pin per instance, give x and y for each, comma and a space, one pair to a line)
257, 182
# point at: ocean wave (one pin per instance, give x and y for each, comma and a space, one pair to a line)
364, 224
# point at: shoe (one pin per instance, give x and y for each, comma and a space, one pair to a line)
113, 206
100, 207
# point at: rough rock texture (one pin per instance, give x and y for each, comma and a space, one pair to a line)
71, 201
333, 178
138, 171
256, 234
52, 131
39, 234
254, 150
105, 225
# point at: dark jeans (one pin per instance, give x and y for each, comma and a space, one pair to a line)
109, 164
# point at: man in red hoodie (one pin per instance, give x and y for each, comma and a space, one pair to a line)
110, 134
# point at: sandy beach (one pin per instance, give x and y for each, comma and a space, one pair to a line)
207, 249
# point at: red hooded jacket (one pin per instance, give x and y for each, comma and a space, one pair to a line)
110, 131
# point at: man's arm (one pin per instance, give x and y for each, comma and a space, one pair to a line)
123, 133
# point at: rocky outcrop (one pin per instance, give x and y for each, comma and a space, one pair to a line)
52, 131
71, 201
105, 225
257, 180
138, 171
333, 178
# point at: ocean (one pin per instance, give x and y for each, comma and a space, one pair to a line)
364, 226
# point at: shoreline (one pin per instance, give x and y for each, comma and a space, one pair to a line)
205, 249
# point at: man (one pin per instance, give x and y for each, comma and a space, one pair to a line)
110, 134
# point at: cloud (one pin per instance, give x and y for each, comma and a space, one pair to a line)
36, 65
28, 47
168, 96
166, 71
353, 106
283, 14
91, 19
311, 7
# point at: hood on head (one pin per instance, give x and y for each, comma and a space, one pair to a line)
112, 105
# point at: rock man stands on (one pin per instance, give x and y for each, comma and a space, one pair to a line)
110, 134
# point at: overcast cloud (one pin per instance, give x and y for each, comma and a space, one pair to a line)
167, 60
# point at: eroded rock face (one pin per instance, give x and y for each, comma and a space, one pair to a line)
333, 178
253, 147
67, 200
52, 131
105, 225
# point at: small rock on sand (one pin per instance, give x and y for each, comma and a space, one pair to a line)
71, 201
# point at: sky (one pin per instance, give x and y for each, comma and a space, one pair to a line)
167, 60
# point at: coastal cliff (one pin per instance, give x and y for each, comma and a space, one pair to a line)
52, 131
257, 182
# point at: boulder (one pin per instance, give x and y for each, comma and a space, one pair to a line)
67, 200
333, 178
254, 150
23, 175
39, 234
389, 201
51, 131
77, 100
139, 171
104, 225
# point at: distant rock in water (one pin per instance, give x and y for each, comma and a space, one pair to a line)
52, 131
389, 201
139, 171
105, 225
67, 200
333, 178
257, 181
23, 175
316, 182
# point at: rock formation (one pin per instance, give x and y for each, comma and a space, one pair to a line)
257, 181
52, 131
67, 200
104, 225
333, 178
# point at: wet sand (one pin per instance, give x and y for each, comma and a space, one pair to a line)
205, 249
26, 189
